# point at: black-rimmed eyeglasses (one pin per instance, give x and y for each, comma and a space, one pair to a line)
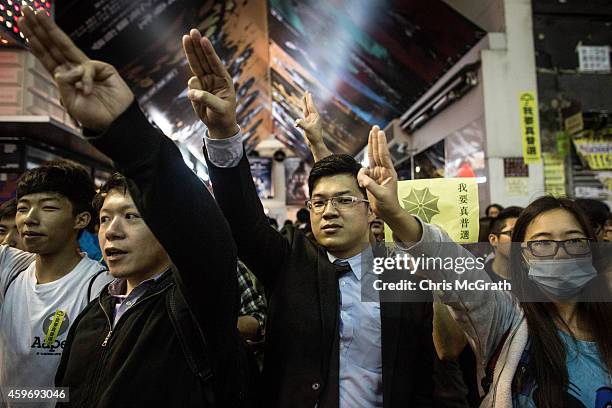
549, 247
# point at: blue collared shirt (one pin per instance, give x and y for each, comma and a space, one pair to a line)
360, 340
359, 325
123, 302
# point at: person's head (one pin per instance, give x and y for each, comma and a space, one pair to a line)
377, 227
493, 210
53, 206
500, 231
287, 222
302, 216
608, 229
129, 248
545, 220
8, 229
596, 212
341, 225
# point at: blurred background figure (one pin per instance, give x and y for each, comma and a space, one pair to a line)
500, 238
303, 222
8, 228
608, 229
493, 210
378, 230
597, 213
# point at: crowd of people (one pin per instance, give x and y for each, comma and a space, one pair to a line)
199, 301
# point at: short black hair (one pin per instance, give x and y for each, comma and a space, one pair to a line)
8, 209
116, 182
61, 177
331, 166
498, 223
499, 207
303, 215
484, 228
595, 210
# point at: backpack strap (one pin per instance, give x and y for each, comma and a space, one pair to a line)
91, 282
10, 282
192, 342
490, 370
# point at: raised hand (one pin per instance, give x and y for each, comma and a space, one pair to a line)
380, 178
92, 92
211, 89
380, 182
313, 128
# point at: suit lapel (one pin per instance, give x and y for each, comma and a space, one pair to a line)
390, 321
328, 303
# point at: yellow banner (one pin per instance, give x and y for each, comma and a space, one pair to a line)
451, 203
554, 175
530, 128
595, 150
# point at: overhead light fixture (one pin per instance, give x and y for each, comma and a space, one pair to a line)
454, 89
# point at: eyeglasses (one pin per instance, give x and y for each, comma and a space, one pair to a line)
340, 203
549, 247
508, 233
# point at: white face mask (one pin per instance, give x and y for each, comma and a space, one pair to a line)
561, 278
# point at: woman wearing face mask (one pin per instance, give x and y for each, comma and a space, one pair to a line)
554, 350
567, 359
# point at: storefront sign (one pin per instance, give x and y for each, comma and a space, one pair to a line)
574, 124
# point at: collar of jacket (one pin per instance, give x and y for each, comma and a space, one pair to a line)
161, 284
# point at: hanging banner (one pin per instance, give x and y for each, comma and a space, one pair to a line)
261, 170
296, 181
563, 143
530, 127
595, 151
451, 203
554, 175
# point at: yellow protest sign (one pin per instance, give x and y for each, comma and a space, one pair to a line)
451, 203
595, 150
530, 127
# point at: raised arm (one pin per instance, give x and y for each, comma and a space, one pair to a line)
174, 203
212, 94
313, 128
485, 315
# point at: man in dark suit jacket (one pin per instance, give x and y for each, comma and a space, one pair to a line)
324, 346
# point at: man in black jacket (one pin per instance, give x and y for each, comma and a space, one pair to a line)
164, 333
324, 347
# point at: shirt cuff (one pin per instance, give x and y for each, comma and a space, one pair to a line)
224, 153
403, 246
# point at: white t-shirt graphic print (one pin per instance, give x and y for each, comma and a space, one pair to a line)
34, 322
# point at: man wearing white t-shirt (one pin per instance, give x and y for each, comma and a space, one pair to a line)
43, 290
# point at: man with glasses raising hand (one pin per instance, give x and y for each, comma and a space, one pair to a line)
324, 346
